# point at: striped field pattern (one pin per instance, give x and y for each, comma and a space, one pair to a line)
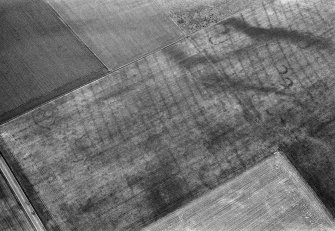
125, 150
269, 196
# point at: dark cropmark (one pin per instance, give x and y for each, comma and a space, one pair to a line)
279, 33
165, 197
313, 155
7, 222
164, 191
2, 193
213, 81
221, 82
183, 59
226, 84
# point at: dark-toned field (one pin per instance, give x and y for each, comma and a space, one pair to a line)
124, 151
270, 196
12, 216
118, 31
40, 57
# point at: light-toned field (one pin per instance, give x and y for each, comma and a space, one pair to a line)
118, 31
12, 216
123, 151
40, 57
270, 196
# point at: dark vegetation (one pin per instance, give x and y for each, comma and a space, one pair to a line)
302, 126
293, 36
166, 196
313, 152
7, 222
2, 193
164, 188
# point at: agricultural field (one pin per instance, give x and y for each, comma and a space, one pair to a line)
194, 15
40, 58
123, 151
269, 196
12, 216
118, 31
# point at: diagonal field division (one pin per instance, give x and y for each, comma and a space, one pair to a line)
118, 31
135, 145
269, 196
40, 57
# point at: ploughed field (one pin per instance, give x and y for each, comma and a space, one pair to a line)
135, 145
269, 196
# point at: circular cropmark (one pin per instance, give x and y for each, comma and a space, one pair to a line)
45, 116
